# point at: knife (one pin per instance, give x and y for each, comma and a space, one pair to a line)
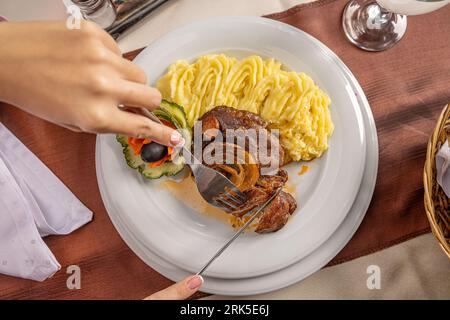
230, 241
137, 15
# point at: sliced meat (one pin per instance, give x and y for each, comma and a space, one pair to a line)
256, 196
230, 118
277, 213
271, 141
273, 182
210, 127
291, 200
224, 118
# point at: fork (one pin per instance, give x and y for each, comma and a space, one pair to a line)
213, 186
255, 213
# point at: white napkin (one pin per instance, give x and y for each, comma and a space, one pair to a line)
33, 203
442, 168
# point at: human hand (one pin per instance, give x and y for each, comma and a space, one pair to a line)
179, 291
76, 78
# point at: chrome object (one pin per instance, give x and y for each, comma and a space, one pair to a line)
102, 12
254, 215
130, 12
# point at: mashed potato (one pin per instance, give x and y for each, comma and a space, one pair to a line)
287, 100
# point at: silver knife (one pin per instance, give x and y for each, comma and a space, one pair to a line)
227, 244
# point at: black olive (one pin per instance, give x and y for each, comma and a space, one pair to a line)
153, 151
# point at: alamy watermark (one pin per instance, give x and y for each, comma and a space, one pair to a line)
233, 146
74, 19
374, 280
74, 280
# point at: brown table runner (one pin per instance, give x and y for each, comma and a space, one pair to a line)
407, 86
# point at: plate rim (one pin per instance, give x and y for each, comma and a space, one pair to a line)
371, 126
350, 201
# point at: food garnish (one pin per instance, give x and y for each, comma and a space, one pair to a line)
150, 158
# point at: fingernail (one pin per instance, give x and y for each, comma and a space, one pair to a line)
195, 282
176, 138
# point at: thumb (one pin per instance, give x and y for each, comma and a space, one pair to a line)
179, 291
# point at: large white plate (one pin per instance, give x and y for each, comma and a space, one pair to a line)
313, 262
186, 238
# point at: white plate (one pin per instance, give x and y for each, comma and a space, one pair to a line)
186, 238
313, 262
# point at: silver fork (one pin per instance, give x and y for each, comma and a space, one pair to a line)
213, 186
253, 215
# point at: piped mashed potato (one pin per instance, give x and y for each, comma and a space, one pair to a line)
287, 100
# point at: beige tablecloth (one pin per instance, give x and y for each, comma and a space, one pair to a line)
415, 269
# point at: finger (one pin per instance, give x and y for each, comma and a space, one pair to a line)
129, 70
179, 291
110, 43
104, 37
137, 95
126, 69
107, 40
136, 125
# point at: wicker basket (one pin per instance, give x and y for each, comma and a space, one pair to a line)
437, 204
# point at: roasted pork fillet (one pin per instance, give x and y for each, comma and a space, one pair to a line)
224, 118
258, 188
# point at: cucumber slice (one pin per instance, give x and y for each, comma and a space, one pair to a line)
134, 161
172, 113
167, 169
176, 111
163, 114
